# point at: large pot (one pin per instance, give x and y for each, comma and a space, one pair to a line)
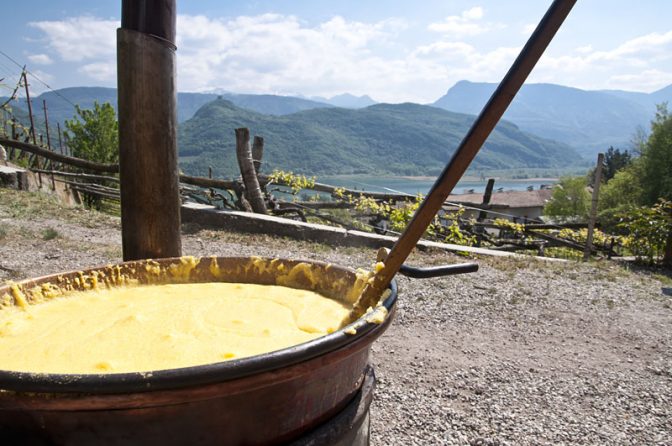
261, 400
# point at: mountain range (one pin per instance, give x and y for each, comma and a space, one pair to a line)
581, 122
400, 139
60, 103
589, 121
346, 100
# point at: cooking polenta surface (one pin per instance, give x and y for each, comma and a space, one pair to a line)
145, 328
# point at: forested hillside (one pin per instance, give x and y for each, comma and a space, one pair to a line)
403, 139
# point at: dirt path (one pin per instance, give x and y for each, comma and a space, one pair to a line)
520, 353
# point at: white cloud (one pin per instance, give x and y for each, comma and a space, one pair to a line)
637, 64
40, 59
459, 60
100, 71
80, 38
647, 80
274, 53
474, 13
281, 54
466, 24
528, 29
587, 49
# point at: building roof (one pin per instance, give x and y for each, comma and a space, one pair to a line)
507, 199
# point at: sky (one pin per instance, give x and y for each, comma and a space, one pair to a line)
392, 50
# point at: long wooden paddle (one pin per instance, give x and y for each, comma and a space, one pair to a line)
471, 144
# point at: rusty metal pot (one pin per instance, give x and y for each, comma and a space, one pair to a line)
261, 400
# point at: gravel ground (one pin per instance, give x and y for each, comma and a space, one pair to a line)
522, 352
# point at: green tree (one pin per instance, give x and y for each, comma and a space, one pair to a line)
639, 194
570, 200
656, 159
615, 160
620, 195
93, 134
650, 231
657, 169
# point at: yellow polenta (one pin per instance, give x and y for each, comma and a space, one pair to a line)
145, 328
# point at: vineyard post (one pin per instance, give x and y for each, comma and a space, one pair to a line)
30, 107
46, 125
257, 153
4, 122
246, 164
486, 199
60, 140
593, 206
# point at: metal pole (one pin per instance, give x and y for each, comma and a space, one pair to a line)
466, 152
150, 201
593, 207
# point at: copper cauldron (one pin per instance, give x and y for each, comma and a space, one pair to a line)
266, 399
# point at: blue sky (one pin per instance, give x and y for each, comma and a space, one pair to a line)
392, 50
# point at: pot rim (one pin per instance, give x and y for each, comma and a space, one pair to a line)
147, 381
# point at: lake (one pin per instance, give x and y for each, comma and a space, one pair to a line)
413, 186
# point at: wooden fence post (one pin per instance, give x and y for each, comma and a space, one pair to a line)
593, 207
30, 106
46, 125
244, 155
486, 199
14, 136
257, 153
4, 123
60, 140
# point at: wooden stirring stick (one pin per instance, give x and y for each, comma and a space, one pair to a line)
465, 153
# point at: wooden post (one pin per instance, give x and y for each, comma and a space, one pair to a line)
4, 122
210, 172
14, 137
60, 140
66, 146
36, 164
244, 155
150, 199
47, 162
68, 160
46, 122
257, 153
593, 206
486, 199
30, 107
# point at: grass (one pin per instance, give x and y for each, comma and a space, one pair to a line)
664, 278
513, 264
49, 234
31, 205
113, 252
